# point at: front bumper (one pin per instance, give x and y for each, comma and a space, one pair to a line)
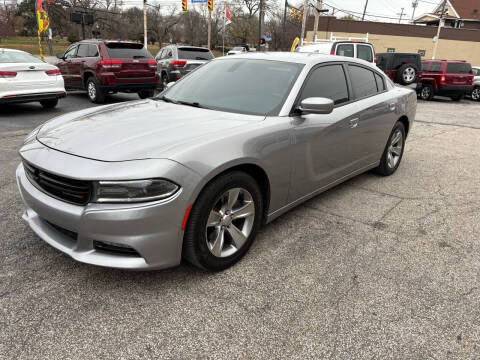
152, 229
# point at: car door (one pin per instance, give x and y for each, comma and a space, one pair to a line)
64, 64
323, 143
376, 114
77, 65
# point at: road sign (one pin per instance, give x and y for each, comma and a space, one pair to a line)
198, 1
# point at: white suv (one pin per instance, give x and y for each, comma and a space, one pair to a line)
351, 47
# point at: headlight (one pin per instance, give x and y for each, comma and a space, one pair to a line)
133, 190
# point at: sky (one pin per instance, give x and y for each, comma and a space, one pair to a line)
389, 8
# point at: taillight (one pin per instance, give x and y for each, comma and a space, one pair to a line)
178, 63
374, 58
332, 52
152, 64
111, 64
7, 74
443, 79
53, 72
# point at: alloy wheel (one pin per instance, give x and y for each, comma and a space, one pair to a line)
476, 94
425, 93
395, 149
230, 222
409, 75
92, 90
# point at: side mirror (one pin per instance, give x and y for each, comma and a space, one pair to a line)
316, 105
170, 84
60, 56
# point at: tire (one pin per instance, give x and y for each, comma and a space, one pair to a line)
49, 104
426, 92
392, 155
407, 74
164, 81
203, 245
95, 94
457, 97
144, 94
476, 94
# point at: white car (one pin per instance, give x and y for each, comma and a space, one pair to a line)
25, 78
237, 50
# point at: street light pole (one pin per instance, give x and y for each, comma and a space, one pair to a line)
284, 26
317, 15
304, 21
145, 23
260, 18
440, 24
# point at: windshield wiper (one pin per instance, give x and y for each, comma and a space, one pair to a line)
193, 104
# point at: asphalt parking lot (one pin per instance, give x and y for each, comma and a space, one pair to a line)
376, 268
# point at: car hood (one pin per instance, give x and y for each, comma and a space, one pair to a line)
136, 130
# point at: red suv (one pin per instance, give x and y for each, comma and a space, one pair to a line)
453, 79
106, 67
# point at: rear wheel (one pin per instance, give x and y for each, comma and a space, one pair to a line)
407, 74
393, 153
145, 94
223, 222
95, 94
49, 104
426, 92
476, 94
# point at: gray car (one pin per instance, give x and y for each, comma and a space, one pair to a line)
176, 61
196, 171
476, 83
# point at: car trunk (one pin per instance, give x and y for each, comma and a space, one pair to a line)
29, 74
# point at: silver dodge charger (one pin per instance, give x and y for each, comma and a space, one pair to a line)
194, 172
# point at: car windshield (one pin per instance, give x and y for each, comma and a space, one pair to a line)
246, 86
194, 54
17, 57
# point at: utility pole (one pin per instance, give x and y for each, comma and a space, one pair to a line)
440, 24
317, 15
209, 37
260, 19
145, 24
284, 25
304, 21
401, 15
414, 6
365, 10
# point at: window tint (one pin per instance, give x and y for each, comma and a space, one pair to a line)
194, 53
380, 83
476, 72
435, 67
424, 66
92, 50
70, 52
405, 59
82, 50
327, 82
127, 51
363, 81
364, 52
345, 50
461, 68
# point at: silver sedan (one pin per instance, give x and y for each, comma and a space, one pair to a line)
195, 172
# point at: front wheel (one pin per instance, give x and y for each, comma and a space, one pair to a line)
95, 94
223, 222
49, 104
476, 94
393, 153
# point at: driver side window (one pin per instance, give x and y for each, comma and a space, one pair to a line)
327, 82
70, 53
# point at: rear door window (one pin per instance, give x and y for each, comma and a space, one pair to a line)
127, 51
82, 50
363, 81
194, 54
380, 83
327, 82
424, 66
92, 50
458, 68
435, 67
365, 52
345, 50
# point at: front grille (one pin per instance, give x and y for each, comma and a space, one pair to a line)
71, 234
69, 190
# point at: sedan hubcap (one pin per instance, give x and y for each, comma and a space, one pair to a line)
476, 94
92, 92
409, 74
395, 149
230, 222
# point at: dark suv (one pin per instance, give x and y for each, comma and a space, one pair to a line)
402, 68
106, 67
175, 61
453, 79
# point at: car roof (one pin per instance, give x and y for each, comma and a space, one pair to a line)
296, 57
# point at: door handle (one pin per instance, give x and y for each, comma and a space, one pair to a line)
353, 123
392, 106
